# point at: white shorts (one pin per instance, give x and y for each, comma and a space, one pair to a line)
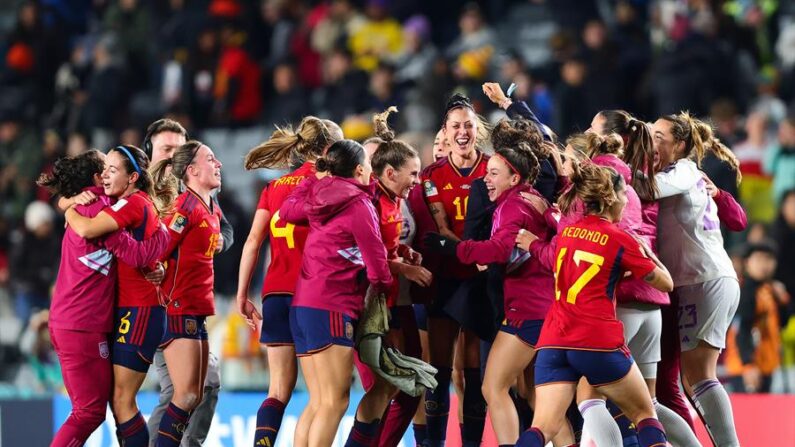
705, 312
642, 331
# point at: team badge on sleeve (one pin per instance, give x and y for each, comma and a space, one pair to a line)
430, 188
178, 223
119, 205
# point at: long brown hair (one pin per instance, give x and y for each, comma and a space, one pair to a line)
287, 145
595, 185
638, 149
699, 138
166, 182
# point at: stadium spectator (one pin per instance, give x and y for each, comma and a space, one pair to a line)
780, 158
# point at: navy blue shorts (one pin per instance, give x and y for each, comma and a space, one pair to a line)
421, 316
139, 331
193, 327
316, 329
445, 289
276, 320
554, 365
527, 330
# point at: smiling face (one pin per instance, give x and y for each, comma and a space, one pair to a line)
116, 181
499, 178
205, 170
665, 145
460, 131
405, 178
441, 147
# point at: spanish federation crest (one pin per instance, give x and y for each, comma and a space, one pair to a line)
104, 352
190, 326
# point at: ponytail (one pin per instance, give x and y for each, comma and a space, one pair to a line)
165, 186
596, 186
287, 145
638, 149
389, 152
699, 138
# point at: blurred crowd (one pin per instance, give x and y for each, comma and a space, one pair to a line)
93, 73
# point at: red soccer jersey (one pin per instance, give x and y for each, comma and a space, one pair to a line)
390, 219
195, 228
444, 183
286, 240
592, 256
136, 213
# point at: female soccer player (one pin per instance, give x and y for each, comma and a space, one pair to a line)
285, 147
140, 318
639, 306
81, 314
527, 284
195, 228
446, 185
343, 238
706, 283
581, 336
396, 167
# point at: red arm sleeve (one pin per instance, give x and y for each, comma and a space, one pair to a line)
364, 226
178, 226
633, 258
730, 212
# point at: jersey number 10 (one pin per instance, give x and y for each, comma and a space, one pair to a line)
596, 262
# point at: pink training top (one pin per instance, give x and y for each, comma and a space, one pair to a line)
85, 288
529, 286
344, 237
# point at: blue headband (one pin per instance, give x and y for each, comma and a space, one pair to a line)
132, 159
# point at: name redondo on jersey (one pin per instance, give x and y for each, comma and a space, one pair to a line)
585, 234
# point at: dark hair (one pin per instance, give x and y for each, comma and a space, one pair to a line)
765, 246
699, 138
459, 101
71, 175
390, 151
595, 185
341, 158
144, 182
509, 133
287, 146
521, 160
160, 126
638, 149
166, 182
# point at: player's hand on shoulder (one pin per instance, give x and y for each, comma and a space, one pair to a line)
524, 239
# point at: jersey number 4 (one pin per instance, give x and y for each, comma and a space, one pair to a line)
596, 262
286, 231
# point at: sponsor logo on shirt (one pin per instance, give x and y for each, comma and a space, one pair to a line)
178, 223
465, 186
448, 187
203, 224
119, 205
